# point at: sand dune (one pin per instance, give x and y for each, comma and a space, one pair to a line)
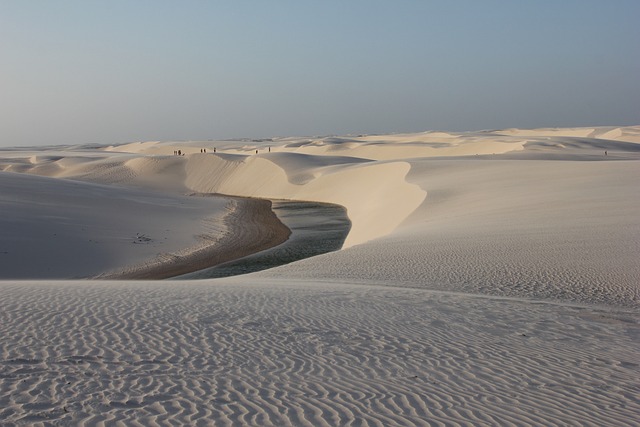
376, 195
540, 229
54, 228
489, 278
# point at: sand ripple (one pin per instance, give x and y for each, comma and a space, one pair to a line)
309, 354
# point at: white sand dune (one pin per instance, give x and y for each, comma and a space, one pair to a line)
489, 278
542, 229
376, 195
54, 228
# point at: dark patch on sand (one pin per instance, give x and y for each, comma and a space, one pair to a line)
316, 228
253, 227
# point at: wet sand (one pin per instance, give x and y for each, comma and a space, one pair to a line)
316, 228
253, 227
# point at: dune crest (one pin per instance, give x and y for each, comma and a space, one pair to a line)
376, 195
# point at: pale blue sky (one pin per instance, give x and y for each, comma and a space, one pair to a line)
75, 72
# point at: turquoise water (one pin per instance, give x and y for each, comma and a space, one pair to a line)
316, 228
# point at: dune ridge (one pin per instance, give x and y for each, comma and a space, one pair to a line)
376, 196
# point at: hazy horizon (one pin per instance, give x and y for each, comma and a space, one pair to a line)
76, 72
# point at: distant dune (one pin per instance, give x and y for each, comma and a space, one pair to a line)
488, 278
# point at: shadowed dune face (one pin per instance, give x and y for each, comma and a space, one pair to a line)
56, 228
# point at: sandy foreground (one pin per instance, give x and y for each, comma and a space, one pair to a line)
489, 278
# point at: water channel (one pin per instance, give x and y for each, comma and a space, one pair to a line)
316, 228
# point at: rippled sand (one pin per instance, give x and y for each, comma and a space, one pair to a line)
271, 353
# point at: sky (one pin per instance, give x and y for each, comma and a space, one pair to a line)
114, 71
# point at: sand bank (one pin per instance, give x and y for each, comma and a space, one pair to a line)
316, 229
59, 229
251, 227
